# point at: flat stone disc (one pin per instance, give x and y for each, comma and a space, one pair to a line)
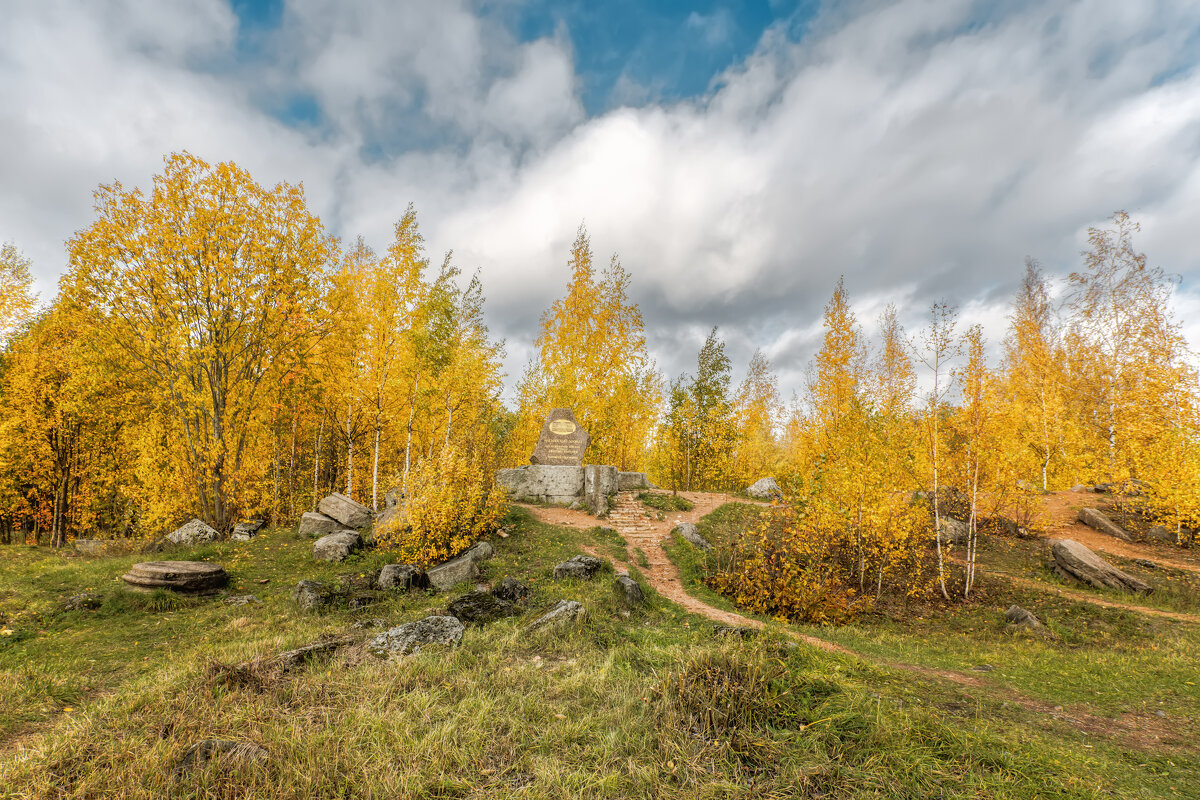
181, 576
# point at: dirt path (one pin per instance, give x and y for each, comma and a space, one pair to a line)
641, 530
1061, 509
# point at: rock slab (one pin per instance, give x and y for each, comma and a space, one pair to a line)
196, 531
564, 612
336, 546
315, 525
691, 534
1073, 560
463, 568
346, 511
1095, 518
478, 608
411, 637
583, 567
179, 576
245, 531
765, 489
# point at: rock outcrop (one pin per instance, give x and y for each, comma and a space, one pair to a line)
193, 577
195, 532
1073, 560
1096, 519
411, 637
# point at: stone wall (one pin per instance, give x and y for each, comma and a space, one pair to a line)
542, 483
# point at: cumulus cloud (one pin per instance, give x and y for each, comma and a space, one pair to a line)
919, 149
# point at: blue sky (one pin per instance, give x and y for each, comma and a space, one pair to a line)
739, 157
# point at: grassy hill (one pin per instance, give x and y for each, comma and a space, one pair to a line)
642, 703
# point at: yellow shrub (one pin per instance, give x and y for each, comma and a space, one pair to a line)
452, 503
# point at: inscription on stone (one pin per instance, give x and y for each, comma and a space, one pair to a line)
562, 441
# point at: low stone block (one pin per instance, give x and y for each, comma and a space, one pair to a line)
315, 525
346, 511
336, 546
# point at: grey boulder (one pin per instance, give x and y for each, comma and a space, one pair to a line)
1073, 560
511, 590
1094, 518
765, 489
195, 532
310, 595
954, 531
411, 637
336, 546
583, 567
1021, 618
629, 590
314, 524
346, 511
242, 600
463, 568
691, 534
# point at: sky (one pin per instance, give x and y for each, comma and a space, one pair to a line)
738, 157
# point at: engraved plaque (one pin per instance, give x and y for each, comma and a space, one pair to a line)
562, 441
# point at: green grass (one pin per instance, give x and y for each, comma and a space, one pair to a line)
660, 501
629, 704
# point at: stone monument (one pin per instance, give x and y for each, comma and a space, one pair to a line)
562, 442
556, 472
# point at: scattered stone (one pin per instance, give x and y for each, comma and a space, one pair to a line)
245, 531
316, 525
985, 667
336, 546
180, 576
292, 659
578, 567
765, 489
480, 607
1079, 487
1164, 534
954, 531
465, 567
630, 591
511, 590
84, 601
192, 533
1145, 562
1073, 560
401, 576
562, 613
632, 481
310, 595
690, 533
411, 637
351, 514
740, 632
1020, 618
242, 600
1094, 518
91, 547
374, 622
223, 751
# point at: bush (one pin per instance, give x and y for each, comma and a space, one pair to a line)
453, 502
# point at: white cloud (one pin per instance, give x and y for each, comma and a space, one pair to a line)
914, 147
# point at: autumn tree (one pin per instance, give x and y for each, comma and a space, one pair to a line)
591, 357
758, 412
207, 290
16, 299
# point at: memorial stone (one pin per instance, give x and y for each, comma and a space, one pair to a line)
562, 442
